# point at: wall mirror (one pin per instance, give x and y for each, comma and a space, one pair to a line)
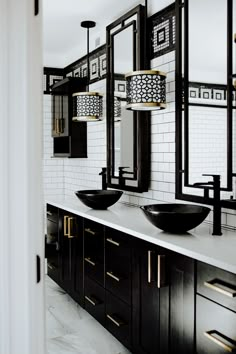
128, 132
205, 96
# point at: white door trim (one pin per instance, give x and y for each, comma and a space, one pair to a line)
21, 206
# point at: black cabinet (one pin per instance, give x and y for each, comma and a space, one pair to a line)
149, 291
181, 304
69, 138
71, 252
52, 243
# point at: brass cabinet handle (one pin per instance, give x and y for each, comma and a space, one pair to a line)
149, 266
61, 125
116, 322
234, 83
219, 342
90, 231
49, 213
70, 220
111, 275
93, 302
215, 285
88, 260
57, 126
113, 242
66, 232
161, 273
50, 267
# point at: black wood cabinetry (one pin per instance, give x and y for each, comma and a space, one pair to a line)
181, 304
69, 138
52, 243
150, 290
71, 253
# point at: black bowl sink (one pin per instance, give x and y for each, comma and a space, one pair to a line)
99, 199
175, 218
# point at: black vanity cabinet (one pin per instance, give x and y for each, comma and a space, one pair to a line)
69, 138
52, 243
150, 296
71, 253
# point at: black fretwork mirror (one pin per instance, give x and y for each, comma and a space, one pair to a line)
128, 132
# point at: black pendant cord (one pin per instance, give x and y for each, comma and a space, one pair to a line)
147, 46
88, 66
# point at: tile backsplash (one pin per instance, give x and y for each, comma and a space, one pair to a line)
65, 176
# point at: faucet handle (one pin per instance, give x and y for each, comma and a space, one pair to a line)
104, 170
216, 178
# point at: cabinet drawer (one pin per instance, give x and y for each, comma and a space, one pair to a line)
216, 328
52, 213
94, 296
94, 251
118, 319
118, 264
217, 284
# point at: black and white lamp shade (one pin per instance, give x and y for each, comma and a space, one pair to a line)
146, 90
117, 107
87, 106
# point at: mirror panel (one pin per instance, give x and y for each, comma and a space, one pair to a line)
128, 132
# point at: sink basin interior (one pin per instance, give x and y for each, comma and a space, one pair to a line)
175, 218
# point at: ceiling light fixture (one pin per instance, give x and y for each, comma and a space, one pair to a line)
87, 106
146, 89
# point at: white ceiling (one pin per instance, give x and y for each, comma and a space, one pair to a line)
64, 40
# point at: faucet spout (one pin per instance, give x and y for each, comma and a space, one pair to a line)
103, 173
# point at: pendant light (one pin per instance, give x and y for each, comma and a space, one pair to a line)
87, 106
146, 89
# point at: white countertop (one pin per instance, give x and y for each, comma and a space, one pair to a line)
219, 251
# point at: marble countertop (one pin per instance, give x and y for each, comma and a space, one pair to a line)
219, 251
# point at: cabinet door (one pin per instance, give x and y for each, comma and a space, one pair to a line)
149, 286
68, 231
60, 115
181, 304
51, 243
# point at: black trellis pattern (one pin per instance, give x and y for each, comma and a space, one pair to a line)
87, 106
117, 107
146, 89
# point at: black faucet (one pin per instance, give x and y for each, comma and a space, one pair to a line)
215, 201
103, 173
121, 172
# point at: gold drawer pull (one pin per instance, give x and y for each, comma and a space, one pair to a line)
111, 275
88, 260
90, 231
70, 220
49, 213
66, 232
220, 287
91, 301
221, 343
161, 271
50, 267
118, 323
113, 242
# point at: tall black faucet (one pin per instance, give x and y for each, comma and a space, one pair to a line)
103, 173
215, 201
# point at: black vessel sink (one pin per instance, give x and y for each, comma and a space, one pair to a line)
99, 199
175, 218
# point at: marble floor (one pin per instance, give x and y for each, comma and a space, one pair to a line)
71, 330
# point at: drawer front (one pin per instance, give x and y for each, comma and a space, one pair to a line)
118, 265
216, 328
217, 284
52, 213
94, 296
94, 251
118, 319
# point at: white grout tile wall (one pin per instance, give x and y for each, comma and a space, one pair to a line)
65, 176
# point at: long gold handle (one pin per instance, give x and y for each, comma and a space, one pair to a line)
61, 125
110, 240
161, 276
228, 348
88, 260
91, 301
234, 84
90, 231
149, 266
111, 275
117, 323
57, 125
49, 213
70, 220
212, 285
66, 233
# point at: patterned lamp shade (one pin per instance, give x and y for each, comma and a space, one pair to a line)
87, 106
117, 107
146, 90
